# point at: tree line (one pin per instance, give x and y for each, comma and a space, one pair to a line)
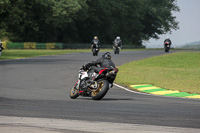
78, 21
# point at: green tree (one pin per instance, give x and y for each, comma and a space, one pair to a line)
133, 20
37, 20
80, 20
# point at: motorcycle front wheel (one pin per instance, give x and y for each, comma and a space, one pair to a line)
74, 93
166, 49
102, 89
117, 51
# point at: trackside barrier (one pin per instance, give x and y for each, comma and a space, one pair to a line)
106, 46
15, 45
53, 45
76, 46
50, 45
29, 45
4, 45
59, 46
40, 45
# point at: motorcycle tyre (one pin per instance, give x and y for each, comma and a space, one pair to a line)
166, 49
102, 92
74, 95
115, 51
94, 52
118, 52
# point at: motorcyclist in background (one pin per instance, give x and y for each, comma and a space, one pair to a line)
117, 42
95, 42
1, 47
168, 40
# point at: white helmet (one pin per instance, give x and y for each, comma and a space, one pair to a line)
118, 37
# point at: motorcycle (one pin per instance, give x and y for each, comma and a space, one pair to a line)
95, 50
167, 46
97, 88
116, 49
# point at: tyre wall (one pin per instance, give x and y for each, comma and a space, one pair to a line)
37, 45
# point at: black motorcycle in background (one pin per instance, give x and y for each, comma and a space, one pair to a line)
167, 46
95, 50
116, 48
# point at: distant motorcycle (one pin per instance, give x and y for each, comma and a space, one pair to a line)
95, 50
1, 48
167, 46
97, 89
116, 48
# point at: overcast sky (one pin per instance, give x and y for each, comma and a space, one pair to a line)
189, 25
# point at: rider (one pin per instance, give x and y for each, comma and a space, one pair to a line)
168, 40
96, 66
117, 42
103, 62
95, 42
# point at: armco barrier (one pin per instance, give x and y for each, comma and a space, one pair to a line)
87, 45
36, 45
15, 45
76, 46
40, 45
29, 45
50, 45
58, 45
4, 45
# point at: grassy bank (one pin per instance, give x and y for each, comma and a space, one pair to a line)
177, 71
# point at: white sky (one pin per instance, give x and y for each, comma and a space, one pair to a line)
189, 25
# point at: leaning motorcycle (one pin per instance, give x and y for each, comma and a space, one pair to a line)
93, 84
167, 46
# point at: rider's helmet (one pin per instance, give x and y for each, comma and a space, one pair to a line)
118, 37
95, 37
106, 55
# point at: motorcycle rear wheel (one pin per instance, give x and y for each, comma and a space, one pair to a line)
100, 92
117, 51
74, 93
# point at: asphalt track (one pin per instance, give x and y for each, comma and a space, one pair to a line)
39, 87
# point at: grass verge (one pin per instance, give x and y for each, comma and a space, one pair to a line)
177, 71
17, 54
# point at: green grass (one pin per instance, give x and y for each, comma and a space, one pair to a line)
17, 54
177, 71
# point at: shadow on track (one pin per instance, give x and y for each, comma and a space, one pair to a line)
107, 99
